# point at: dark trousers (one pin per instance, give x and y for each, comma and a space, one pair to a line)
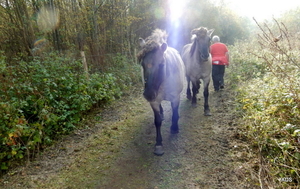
218, 76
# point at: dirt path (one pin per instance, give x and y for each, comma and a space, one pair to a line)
115, 151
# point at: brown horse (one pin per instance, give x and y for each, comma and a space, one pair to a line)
163, 73
197, 60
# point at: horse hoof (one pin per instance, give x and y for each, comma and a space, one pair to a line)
158, 150
207, 113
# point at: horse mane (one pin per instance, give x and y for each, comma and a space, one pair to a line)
197, 33
153, 42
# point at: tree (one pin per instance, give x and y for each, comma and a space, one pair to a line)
17, 30
104, 27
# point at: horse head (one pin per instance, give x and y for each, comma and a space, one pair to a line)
201, 41
153, 63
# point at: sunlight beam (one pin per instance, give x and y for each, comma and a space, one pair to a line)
176, 9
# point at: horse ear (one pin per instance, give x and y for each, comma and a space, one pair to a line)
142, 42
164, 47
194, 36
210, 32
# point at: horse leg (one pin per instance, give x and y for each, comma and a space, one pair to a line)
161, 111
157, 121
198, 85
188, 90
175, 117
195, 90
206, 94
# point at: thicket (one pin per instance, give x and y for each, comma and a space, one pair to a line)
44, 91
267, 70
45, 98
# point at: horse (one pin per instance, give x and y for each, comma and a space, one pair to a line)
198, 64
163, 75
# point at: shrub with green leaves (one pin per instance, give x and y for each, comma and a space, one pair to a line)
271, 106
272, 123
244, 63
45, 98
126, 71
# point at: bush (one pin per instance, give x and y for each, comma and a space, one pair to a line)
272, 124
271, 105
126, 71
245, 64
43, 99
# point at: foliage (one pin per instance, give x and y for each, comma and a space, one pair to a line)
226, 24
230, 27
245, 64
45, 98
271, 104
101, 27
292, 21
119, 65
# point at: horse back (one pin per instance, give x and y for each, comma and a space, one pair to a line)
174, 74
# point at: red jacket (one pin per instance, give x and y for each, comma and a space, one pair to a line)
218, 52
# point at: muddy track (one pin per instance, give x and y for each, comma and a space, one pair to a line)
115, 150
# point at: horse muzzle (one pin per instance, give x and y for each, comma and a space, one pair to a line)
150, 95
205, 58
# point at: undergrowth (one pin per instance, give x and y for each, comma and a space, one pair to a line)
45, 98
269, 85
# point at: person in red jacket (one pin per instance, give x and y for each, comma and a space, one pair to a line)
220, 59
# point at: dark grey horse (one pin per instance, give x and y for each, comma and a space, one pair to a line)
197, 60
163, 74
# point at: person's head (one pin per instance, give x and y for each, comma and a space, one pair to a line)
215, 39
